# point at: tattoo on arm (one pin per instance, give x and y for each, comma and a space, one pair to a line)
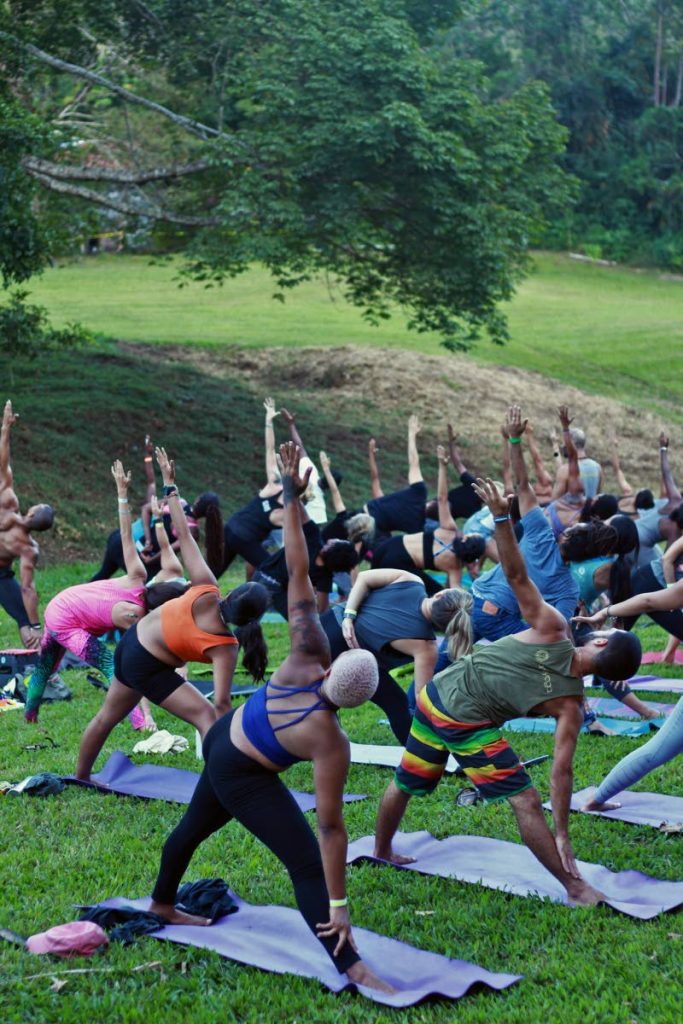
306, 634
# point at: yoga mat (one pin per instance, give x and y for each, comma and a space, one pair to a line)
205, 687
386, 756
652, 657
157, 782
656, 683
620, 728
611, 706
277, 939
636, 808
513, 868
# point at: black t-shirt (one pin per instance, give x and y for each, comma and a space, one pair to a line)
275, 566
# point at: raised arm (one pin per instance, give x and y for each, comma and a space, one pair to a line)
446, 520
193, 559
642, 604
375, 485
508, 480
574, 483
454, 452
414, 471
544, 619
272, 472
669, 559
513, 429
622, 482
135, 569
671, 490
8, 420
543, 477
335, 493
294, 435
171, 566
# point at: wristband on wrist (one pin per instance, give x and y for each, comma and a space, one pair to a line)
502, 519
664, 448
339, 903
123, 501
170, 489
34, 625
349, 613
159, 524
147, 458
674, 584
515, 440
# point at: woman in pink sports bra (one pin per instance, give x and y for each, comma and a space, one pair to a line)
78, 617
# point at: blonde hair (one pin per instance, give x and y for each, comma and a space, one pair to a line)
353, 678
360, 527
451, 614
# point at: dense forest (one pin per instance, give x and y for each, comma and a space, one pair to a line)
412, 150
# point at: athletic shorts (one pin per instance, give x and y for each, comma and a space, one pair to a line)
136, 668
486, 757
402, 511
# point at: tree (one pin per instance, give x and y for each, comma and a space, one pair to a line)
311, 135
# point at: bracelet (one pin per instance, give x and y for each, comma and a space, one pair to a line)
515, 440
170, 489
349, 613
123, 501
674, 584
502, 519
664, 448
339, 903
147, 458
37, 625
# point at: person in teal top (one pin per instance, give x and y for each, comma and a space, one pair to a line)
592, 578
539, 672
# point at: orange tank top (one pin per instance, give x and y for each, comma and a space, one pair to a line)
181, 634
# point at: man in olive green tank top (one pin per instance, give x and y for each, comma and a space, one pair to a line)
536, 672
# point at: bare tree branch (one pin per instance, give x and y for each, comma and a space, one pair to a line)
203, 131
153, 212
70, 172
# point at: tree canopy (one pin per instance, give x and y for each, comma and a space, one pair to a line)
315, 136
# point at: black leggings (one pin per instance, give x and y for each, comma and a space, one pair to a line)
113, 560
232, 785
644, 581
389, 696
11, 599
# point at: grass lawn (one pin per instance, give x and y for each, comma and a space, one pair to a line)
580, 966
609, 331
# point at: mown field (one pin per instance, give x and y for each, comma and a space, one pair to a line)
615, 334
588, 966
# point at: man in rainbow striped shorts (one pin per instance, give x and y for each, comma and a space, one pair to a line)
538, 672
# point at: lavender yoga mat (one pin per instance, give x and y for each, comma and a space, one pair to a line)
277, 939
386, 756
655, 684
513, 868
636, 808
610, 706
157, 782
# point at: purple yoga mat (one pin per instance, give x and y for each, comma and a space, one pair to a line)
613, 707
513, 868
655, 684
636, 808
157, 782
277, 939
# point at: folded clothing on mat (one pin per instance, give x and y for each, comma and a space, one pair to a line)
277, 939
161, 742
513, 868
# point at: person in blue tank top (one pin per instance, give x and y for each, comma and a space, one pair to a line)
539, 672
291, 718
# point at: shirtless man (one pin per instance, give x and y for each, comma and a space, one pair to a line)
21, 603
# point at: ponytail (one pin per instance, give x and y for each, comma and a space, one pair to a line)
244, 606
451, 614
215, 539
254, 649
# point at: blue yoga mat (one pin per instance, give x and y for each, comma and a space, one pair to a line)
618, 726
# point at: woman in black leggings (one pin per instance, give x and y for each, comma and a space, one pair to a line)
291, 718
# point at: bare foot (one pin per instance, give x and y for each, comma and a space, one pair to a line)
172, 915
585, 896
598, 729
361, 974
593, 805
394, 858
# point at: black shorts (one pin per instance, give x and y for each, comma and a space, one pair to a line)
402, 511
136, 668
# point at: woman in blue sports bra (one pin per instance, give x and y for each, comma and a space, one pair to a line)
291, 718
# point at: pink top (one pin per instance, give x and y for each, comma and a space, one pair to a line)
89, 606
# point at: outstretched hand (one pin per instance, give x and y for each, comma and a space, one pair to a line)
166, 465
339, 924
514, 425
288, 417
324, 461
565, 418
413, 425
597, 620
271, 411
288, 462
9, 418
663, 439
372, 446
121, 477
564, 849
488, 493
149, 445
441, 455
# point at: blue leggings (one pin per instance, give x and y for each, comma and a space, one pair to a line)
663, 747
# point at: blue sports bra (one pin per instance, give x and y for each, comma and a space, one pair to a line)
260, 732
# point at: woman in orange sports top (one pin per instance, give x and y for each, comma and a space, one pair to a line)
194, 625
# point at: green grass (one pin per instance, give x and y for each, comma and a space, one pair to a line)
580, 966
609, 330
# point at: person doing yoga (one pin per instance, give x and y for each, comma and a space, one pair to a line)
536, 672
589, 470
668, 741
17, 541
191, 627
78, 617
445, 549
291, 718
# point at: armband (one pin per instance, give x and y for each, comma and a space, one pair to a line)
515, 440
